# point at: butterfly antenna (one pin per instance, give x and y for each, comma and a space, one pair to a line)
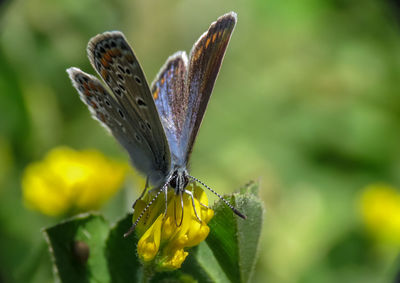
176, 223
164, 187
237, 212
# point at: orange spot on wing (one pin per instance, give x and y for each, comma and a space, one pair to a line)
104, 74
198, 53
92, 85
101, 117
214, 37
86, 90
155, 94
94, 105
117, 52
114, 52
208, 42
104, 62
107, 56
162, 80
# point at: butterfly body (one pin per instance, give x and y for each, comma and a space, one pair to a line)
157, 125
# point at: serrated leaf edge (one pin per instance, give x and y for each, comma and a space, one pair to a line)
56, 272
256, 199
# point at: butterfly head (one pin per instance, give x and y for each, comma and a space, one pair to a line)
179, 180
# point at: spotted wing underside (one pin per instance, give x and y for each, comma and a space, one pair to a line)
129, 112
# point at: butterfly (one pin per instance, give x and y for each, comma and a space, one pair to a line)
157, 125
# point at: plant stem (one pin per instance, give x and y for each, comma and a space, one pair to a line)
148, 273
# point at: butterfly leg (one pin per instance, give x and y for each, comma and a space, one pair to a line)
142, 194
203, 205
176, 223
166, 202
194, 206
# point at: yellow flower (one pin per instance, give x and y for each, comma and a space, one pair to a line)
380, 209
69, 181
149, 243
162, 241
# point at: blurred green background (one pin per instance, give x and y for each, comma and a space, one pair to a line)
307, 101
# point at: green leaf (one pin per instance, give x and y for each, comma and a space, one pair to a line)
85, 249
176, 276
250, 188
203, 266
234, 241
77, 249
123, 263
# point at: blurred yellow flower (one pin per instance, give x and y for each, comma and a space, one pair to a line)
380, 209
162, 241
69, 181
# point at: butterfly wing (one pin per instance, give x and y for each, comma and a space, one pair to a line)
181, 92
169, 95
204, 63
106, 110
133, 109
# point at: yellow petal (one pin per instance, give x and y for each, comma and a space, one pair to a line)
380, 208
174, 239
174, 260
191, 232
149, 243
68, 180
196, 237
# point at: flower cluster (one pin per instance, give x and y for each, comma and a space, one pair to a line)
162, 241
380, 209
68, 181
